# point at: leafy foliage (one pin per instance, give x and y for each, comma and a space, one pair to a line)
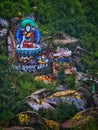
78, 18
14, 87
61, 76
63, 111
70, 81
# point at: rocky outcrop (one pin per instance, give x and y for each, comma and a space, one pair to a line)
20, 128
95, 98
3, 33
63, 39
29, 120
87, 118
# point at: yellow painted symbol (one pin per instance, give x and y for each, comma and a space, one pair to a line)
24, 118
52, 124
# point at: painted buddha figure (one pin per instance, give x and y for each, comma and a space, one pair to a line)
27, 35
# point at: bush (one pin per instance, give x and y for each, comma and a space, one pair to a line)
63, 111
70, 81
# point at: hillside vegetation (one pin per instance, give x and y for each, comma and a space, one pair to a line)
78, 18
75, 17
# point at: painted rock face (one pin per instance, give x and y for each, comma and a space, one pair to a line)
27, 38
3, 27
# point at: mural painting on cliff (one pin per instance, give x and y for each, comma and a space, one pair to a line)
28, 38
61, 59
29, 51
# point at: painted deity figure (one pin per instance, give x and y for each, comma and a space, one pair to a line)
27, 35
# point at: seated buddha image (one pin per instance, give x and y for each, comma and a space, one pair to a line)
27, 35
